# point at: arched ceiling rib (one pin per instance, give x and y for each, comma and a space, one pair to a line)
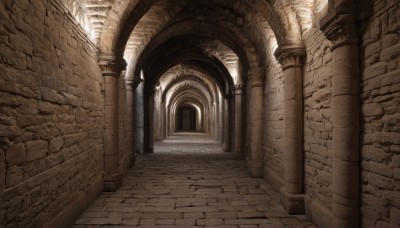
103, 18
190, 85
175, 52
187, 89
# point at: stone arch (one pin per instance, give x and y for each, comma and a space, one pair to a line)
239, 45
188, 94
195, 78
213, 66
119, 25
188, 122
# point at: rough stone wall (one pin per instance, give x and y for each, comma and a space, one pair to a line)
317, 90
273, 129
51, 124
380, 136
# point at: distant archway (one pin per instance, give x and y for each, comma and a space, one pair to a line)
186, 119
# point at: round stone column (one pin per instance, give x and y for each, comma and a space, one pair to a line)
227, 128
342, 31
111, 71
221, 119
237, 151
164, 120
131, 85
291, 59
255, 159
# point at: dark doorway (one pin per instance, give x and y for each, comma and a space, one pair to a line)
186, 119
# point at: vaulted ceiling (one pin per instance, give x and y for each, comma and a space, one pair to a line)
226, 41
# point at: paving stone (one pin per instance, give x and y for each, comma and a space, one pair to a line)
203, 187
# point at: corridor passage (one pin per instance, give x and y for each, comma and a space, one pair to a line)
190, 182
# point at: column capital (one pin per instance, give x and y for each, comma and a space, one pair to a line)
256, 81
290, 55
131, 84
110, 65
238, 89
341, 30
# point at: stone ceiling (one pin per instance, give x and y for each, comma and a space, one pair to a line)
92, 15
244, 19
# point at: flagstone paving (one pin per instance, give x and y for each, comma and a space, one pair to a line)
190, 182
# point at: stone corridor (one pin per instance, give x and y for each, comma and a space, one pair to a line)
293, 108
190, 182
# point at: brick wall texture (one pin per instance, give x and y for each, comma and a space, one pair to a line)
51, 100
52, 114
380, 97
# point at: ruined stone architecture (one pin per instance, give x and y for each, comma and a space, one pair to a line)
304, 94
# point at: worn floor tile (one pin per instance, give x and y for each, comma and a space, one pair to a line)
190, 182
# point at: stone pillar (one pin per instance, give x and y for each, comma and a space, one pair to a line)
221, 119
342, 31
291, 58
216, 121
148, 140
131, 84
255, 159
237, 151
111, 68
167, 121
227, 128
164, 120
139, 119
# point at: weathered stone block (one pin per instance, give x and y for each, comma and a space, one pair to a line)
8, 99
28, 120
9, 131
51, 95
390, 138
382, 80
372, 48
16, 59
14, 176
389, 40
370, 152
381, 168
375, 70
36, 149
21, 42
372, 109
56, 144
47, 108
390, 53
15, 155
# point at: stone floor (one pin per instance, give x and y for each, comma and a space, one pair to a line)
190, 182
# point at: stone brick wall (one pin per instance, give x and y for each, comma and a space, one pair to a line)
273, 129
51, 124
380, 136
317, 90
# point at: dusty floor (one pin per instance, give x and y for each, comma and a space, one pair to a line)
190, 182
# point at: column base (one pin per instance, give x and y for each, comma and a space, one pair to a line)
293, 203
148, 150
253, 170
318, 212
237, 154
225, 147
113, 182
132, 160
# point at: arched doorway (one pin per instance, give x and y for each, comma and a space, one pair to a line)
186, 119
